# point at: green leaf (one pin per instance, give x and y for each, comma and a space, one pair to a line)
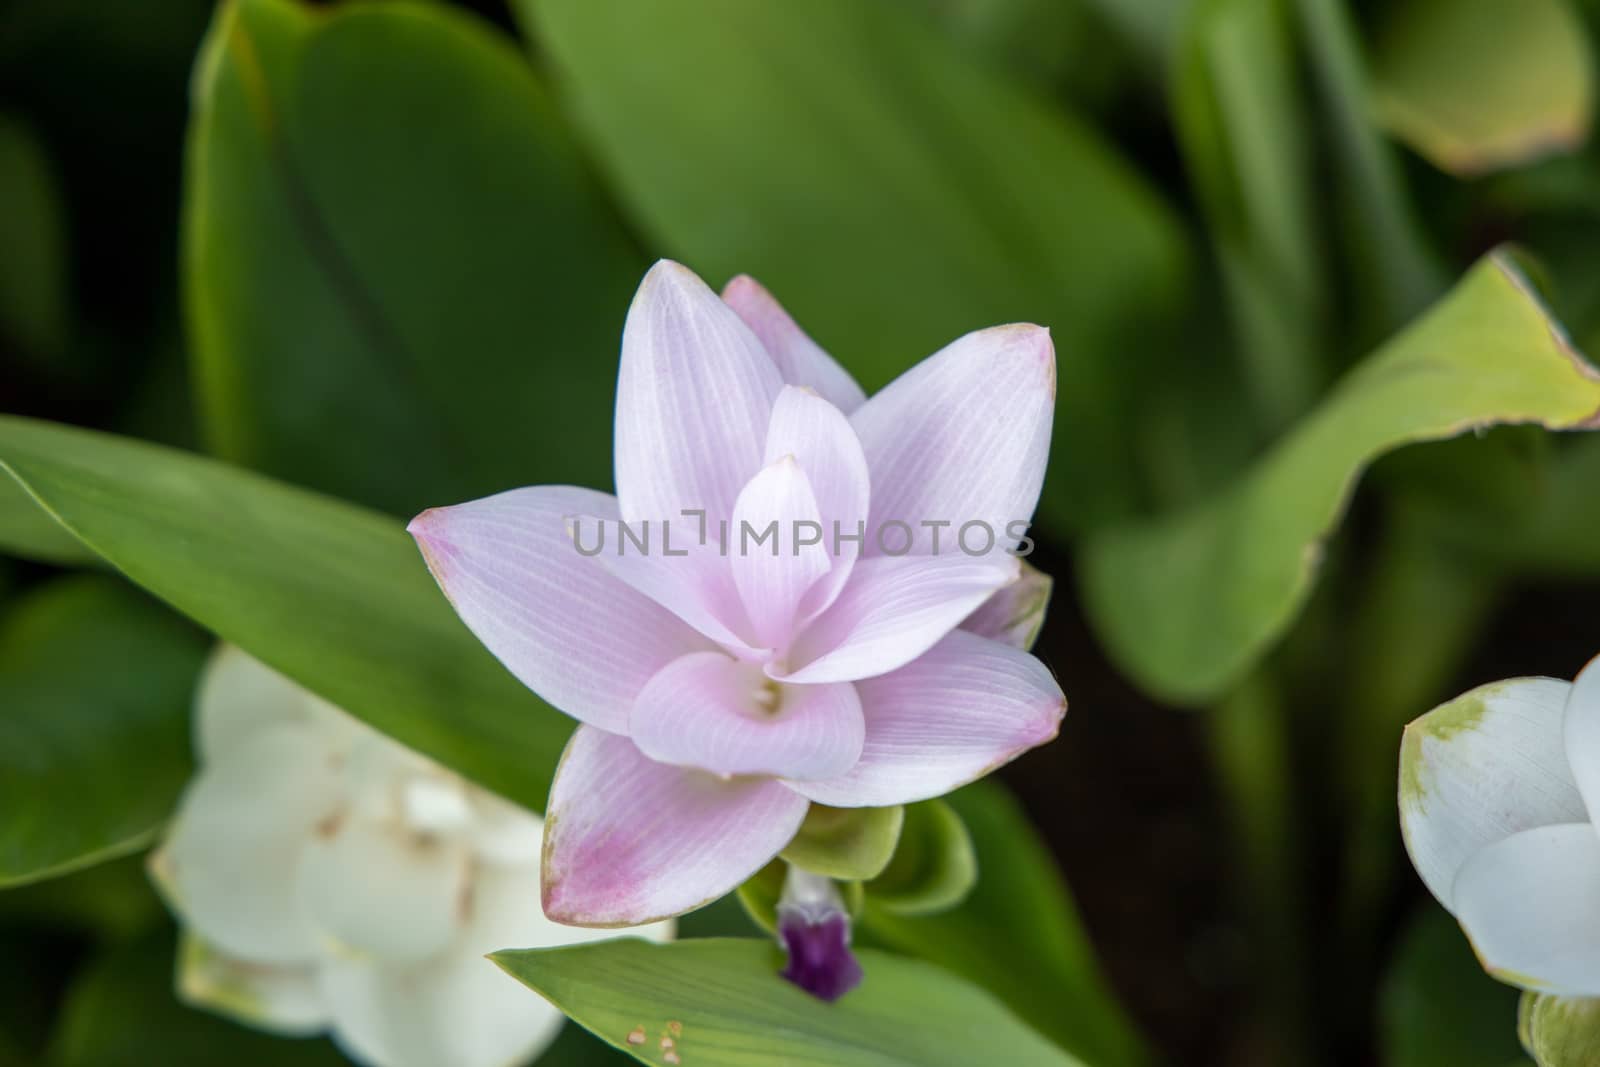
721, 1003
934, 867
27, 530
846, 843
402, 285
893, 192
1019, 900
1436, 1006
1186, 603
1241, 123
96, 684
332, 595
1560, 1031
1482, 85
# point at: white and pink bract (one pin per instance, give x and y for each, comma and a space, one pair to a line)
720, 689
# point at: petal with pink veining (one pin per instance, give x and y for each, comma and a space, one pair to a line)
572, 633
800, 360
963, 708
667, 563
694, 397
713, 712
962, 437
892, 610
628, 840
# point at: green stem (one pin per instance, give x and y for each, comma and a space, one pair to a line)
1251, 748
1422, 609
1389, 257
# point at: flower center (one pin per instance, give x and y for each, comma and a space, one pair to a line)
767, 698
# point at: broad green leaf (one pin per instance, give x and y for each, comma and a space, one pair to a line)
1185, 603
1019, 900
33, 270
720, 1003
1241, 122
849, 843
27, 530
934, 867
1436, 1006
96, 682
892, 192
1560, 1031
402, 286
1481, 85
332, 595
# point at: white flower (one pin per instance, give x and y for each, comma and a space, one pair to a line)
1499, 798
331, 879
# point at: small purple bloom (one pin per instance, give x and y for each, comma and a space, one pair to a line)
815, 932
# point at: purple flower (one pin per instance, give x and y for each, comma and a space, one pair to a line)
815, 932
722, 687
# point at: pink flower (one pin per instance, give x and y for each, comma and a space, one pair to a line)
720, 693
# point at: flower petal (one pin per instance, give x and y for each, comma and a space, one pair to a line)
457, 1008
1531, 906
238, 696
280, 999
800, 360
1014, 614
963, 708
772, 562
962, 437
667, 563
572, 633
709, 711
504, 834
629, 840
231, 858
820, 960
1581, 731
1484, 766
693, 400
819, 436
378, 888
893, 609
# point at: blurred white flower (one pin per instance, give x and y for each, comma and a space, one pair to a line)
1500, 809
333, 880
